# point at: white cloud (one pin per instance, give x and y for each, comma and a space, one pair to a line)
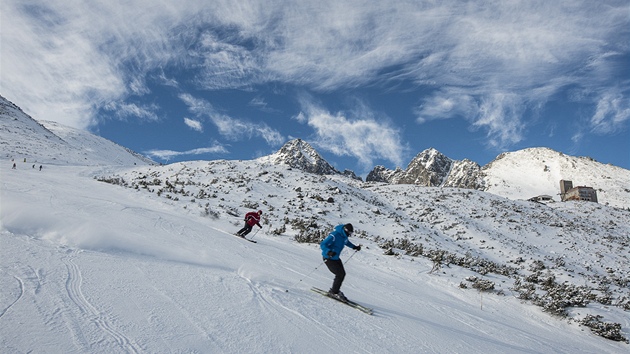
62, 60
231, 128
228, 127
193, 124
499, 114
259, 103
169, 154
127, 110
357, 133
611, 114
54, 63
225, 65
271, 136
196, 106
446, 104
166, 81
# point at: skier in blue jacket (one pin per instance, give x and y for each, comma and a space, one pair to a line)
331, 247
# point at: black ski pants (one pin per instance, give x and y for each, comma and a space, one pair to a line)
245, 230
336, 267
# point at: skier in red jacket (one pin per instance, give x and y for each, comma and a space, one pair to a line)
252, 218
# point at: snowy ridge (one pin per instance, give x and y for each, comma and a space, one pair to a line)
24, 138
21, 135
536, 171
94, 149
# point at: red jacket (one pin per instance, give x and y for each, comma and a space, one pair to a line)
252, 218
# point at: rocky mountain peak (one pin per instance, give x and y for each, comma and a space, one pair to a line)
431, 168
428, 168
301, 155
382, 174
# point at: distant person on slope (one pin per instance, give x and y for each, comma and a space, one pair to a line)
331, 248
252, 218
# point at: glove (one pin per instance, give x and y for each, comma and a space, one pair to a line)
358, 248
331, 253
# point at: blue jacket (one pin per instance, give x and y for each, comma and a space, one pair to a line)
335, 242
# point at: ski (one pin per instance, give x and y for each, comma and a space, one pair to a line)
350, 303
246, 239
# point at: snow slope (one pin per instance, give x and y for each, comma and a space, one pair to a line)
29, 142
91, 267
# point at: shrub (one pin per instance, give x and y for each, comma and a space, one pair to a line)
607, 330
311, 236
483, 284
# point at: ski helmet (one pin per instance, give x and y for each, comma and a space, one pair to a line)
348, 228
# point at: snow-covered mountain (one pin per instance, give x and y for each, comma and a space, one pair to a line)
299, 154
140, 258
537, 171
431, 168
28, 141
517, 175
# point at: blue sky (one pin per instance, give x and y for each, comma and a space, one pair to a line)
365, 82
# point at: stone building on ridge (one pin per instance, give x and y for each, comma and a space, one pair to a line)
568, 192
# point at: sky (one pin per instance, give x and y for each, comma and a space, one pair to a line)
366, 83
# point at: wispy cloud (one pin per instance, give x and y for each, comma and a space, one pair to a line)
504, 59
166, 155
65, 60
259, 103
271, 136
228, 127
193, 124
132, 110
499, 114
55, 59
357, 133
611, 113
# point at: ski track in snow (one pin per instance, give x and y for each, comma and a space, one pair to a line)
17, 297
88, 310
189, 317
266, 303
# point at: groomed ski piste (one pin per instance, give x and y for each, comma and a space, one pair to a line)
90, 267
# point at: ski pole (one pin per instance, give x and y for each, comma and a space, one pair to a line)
306, 276
255, 233
312, 271
349, 258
